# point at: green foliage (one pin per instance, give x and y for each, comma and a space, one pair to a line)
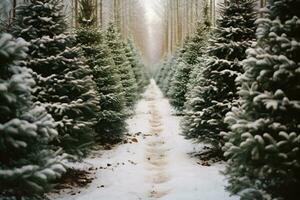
166, 73
27, 165
188, 59
136, 63
214, 92
194, 46
178, 86
124, 67
111, 118
64, 82
39, 18
161, 73
264, 141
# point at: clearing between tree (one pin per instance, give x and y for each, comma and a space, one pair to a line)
154, 163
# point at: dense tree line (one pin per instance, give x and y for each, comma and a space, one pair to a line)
180, 18
60, 92
127, 16
241, 95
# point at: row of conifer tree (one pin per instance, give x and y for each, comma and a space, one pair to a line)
60, 92
239, 92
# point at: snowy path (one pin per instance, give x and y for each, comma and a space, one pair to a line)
154, 164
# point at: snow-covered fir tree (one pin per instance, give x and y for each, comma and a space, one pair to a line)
27, 165
193, 49
137, 65
167, 76
161, 72
111, 119
169, 72
192, 106
177, 78
264, 141
124, 67
217, 92
178, 85
64, 82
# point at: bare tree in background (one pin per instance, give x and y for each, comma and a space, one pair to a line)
128, 15
179, 20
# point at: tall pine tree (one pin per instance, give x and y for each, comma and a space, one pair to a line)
264, 141
187, 61
137, 65
111, 118
124, 67
170, 69
65, 83
178, 85
217, 92
195, 44
161, 72
27, 165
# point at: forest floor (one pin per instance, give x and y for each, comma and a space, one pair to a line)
155, 162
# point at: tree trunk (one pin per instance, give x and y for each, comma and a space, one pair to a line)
101, 13
14, 8
76, 13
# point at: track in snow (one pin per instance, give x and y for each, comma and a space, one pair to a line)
158, 166
156, 151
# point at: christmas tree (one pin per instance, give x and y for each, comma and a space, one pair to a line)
165, 74
111, 119
178, 86
194, 45
124, 67
170, 70
264, 141
137, 65
217, 92
161, 72
64, 82
193, 49
194, 101
27, 165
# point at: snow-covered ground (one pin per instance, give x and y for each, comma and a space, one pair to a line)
155, 165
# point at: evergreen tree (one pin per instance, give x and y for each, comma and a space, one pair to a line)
178, 86
27, 165
169, 73
160, 74
124, 67
111, 119
264, 141
65, 83
188, 58
137, 65
165, 73
194, 101
194, 45
217, 92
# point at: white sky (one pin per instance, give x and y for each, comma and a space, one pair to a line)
154, 22
150, 8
